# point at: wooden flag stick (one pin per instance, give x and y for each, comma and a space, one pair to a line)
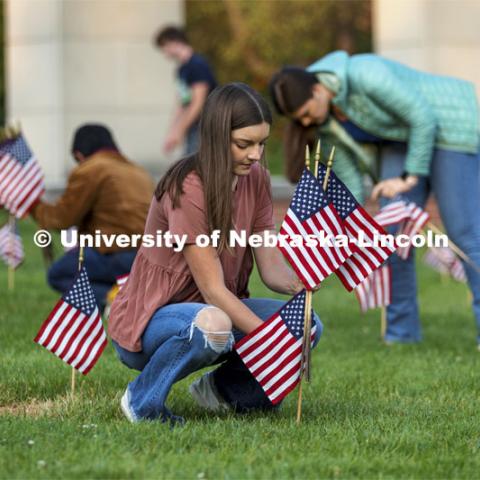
307, 326
299, 402
383, 322
308, 334
80, 264
11, 240
307, 157
317, 159
329, 168
306, 349
307, 331
304, 359
73, 382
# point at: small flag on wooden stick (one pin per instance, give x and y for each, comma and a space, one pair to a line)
11, 246
376, 290
21, 178
273, 351
74, 331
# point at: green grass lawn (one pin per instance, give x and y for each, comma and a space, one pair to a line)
371, 411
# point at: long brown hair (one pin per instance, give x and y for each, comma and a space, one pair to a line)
227, 108
290, 88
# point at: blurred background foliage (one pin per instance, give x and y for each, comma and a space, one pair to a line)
248, 40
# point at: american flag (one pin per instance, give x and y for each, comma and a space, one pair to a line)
444, 261
365, 259
311, 213
11, 246
393, 213
273, 352
74, 330
411, 226
21, 179
121, 280
376, 290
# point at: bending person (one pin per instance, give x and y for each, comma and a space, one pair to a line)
426, 128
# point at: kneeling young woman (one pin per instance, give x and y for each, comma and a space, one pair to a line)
181, 311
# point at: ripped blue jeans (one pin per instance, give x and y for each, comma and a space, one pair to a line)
174, 347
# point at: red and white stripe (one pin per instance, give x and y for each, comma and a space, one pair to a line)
273, 356
74, 337
393, 213
121, 280
458, 271
11, 247
314, 263
444, 261
365, 259
20, 185
410, 227
376, 290
436, 258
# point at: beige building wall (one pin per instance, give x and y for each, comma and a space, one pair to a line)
438, 36
75, 61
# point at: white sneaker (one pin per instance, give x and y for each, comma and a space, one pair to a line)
205, 394
126, 409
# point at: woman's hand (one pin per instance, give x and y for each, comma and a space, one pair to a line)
275, 273
393, 186
295, 286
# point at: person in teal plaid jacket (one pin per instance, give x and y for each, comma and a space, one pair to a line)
426, 130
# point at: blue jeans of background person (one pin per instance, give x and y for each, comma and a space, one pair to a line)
454, 180
102, 270
174, 348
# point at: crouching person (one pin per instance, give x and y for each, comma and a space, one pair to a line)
182, 308
105, 193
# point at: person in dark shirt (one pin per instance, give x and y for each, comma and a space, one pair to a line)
195, 80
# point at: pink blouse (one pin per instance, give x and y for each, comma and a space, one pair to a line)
161, 276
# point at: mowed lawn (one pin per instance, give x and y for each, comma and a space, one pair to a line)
371, 411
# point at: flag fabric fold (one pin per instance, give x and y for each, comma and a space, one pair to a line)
393, 213
11, 246
376, 290
444, 261
409, 217
311, 215
21, 178
273, 351
410, 227
74, 331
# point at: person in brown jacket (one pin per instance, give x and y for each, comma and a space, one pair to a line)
107, 193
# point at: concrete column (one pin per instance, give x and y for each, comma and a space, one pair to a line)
438, 36
76, 61
34, 79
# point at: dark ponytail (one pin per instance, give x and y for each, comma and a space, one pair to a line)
295, 137
289, 89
